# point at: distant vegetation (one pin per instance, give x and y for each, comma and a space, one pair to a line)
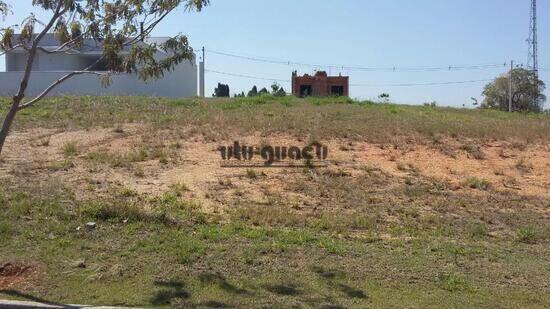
222, 91
527, 93
276, 91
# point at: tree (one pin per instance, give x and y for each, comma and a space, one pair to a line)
384, 97
280, 92
253, 92
222, 91
120, 25
527, 93
263, 91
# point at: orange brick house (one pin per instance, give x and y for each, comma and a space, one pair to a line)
319, 85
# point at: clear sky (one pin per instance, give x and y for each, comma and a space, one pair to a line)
374, 33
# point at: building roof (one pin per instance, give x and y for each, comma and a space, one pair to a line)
89, 46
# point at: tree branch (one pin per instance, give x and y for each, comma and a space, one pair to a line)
62, 79
56, 83
10, 49
24, 82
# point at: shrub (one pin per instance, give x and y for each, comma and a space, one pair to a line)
527, 235
476, 183
477, 230
70, 149
474, 150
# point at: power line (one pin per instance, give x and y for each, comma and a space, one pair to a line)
358, 85
363, 69
423, 84
249, 76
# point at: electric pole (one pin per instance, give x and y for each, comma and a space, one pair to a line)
201, 73
510, 87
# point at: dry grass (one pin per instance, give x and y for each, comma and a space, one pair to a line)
432, 213
310, 118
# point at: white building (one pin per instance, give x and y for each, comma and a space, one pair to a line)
47, 68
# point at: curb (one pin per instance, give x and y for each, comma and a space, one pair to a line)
17, 304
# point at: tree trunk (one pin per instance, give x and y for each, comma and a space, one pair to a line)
8, 120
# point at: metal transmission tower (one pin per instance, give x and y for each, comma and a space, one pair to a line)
533, 41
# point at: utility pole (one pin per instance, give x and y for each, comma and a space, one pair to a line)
510, 89
201, 73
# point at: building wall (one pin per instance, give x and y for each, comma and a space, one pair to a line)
338, 81
64, 62
321, 83
49, 62
182, 82
18, 61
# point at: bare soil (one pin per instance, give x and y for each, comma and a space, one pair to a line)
38, 154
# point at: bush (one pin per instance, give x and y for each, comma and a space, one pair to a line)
476, 183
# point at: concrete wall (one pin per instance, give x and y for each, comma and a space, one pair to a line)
182, 82
18, 61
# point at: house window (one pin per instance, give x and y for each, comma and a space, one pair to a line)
337, 90
306, 90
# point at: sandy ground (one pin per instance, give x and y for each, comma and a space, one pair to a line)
197, 163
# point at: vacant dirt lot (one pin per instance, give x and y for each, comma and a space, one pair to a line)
195, 162
437, 204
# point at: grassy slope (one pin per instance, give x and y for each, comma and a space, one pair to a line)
257, 255
312, 117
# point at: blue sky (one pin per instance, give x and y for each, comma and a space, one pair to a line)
374, 33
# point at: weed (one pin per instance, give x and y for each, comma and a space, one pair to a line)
215, 232
477, 231
5, 228
250, 173
474, 150
453, 282
294, 237
179, 188
527, 235
64, 165
330, 245
70, 149
127, 192
523, 166
476, 183
139, 172
139, 155
45, 142
118, 129
188, 248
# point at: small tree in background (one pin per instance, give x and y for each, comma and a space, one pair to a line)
384, 98
253, 92
278, 91
527, 93
114, 23
222, 91
263, 91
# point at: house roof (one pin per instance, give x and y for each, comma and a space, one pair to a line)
89, 46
